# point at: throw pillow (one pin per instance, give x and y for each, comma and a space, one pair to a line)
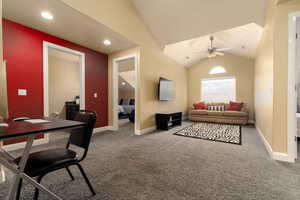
235, 106
221, 108
216, 108
211, 107
200, 106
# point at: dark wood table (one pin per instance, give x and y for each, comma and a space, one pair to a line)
28, 130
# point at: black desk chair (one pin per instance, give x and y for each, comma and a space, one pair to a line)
41, 163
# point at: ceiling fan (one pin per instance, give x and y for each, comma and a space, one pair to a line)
214, 51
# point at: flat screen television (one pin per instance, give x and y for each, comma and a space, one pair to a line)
166, 90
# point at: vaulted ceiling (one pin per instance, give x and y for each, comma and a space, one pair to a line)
183, 27
242, 41
172, 21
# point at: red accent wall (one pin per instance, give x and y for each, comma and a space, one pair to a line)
23, 50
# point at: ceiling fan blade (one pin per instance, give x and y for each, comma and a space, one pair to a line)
223, 49
199, 52
219, 53
211, 55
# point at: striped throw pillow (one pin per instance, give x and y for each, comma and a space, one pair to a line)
216, 108
211, 107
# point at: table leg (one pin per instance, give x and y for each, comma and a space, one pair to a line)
20, 174
2, 173
16, 179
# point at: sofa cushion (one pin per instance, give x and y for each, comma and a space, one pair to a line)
198, 112
235, 114
215, 113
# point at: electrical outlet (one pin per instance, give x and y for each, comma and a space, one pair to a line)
95, 95
22, 92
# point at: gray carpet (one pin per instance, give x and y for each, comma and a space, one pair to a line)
163, 166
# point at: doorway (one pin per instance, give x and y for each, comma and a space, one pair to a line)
294, 86
64, 79
125, 98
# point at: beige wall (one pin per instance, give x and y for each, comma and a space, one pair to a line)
263, 91
121, 16
282, 1
280, 133
64, 83
241, 68
155, 65
3, 90
271, 75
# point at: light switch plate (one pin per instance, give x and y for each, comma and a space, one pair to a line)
22, 92
95, 95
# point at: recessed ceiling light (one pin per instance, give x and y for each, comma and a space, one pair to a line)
107, 42
123, 83
47, 15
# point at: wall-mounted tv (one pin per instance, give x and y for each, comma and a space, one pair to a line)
166, 90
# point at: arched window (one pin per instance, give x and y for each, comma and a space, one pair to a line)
217, 70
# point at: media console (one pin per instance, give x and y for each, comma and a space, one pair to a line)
165, 121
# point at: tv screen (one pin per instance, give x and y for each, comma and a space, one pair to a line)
166, 90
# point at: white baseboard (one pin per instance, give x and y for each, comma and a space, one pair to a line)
145, 131
104, 128
113, 128
185, 117
21, 145
265, 142
283, 157
274, 155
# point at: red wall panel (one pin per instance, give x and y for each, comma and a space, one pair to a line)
23, 50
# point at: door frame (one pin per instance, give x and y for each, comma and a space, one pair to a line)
116, 90
46, 46
291, 92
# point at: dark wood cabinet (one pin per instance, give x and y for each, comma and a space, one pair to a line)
165, 121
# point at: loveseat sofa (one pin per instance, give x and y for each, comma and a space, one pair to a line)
225, 116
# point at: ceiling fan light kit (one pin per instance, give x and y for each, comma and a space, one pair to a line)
214, 51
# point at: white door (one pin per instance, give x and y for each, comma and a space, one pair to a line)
297, 62
298, 75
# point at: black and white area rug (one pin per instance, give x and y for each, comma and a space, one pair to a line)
211, 131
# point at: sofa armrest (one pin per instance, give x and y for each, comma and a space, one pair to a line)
190, 110
245, 109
